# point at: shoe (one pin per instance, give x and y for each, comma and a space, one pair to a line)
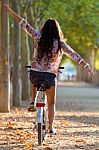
32, 108
53, 131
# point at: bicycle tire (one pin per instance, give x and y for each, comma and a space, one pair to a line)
44, 124
42, 129
40, 136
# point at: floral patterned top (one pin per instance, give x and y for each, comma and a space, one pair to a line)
51, 66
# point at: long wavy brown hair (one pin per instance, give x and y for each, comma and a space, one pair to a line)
50, 31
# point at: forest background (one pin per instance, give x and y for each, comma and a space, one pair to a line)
79, 20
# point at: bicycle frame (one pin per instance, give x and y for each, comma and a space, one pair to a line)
40, 103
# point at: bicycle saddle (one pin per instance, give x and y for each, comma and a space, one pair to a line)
42, 85
42, 79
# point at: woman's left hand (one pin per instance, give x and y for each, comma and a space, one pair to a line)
89, 69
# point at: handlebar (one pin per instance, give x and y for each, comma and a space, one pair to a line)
61, 67
27, 66
30, 67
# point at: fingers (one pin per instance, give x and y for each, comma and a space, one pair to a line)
5, 6
88, 69
91, 71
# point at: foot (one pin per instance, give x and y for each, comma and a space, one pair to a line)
52, 131
32, 108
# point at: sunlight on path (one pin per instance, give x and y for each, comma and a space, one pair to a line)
75, 131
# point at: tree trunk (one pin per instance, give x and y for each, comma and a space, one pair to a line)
17, 85
95, 79
25, 60
80, 73
25, 55
4, 62
91, 60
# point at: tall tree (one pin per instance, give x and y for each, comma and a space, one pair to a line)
16, 74
25, 53
4, 62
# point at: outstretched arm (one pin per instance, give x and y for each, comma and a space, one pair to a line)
24, 24
76, 57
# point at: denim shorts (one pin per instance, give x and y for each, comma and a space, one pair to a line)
42, 76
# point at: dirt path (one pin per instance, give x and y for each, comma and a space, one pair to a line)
75, 131
77, 123
77, 97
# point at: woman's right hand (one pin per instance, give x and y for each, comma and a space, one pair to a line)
6, 7
16, 16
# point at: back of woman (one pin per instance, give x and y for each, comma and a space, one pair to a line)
47, 52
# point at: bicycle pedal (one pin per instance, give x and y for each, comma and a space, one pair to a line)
44, 135
32, 109
44, 127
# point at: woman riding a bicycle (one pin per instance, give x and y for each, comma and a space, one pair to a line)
49, 49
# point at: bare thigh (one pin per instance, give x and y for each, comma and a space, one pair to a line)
51, 95
34, 90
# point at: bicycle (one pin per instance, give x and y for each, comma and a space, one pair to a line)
41, 103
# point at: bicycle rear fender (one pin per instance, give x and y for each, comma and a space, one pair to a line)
40, 114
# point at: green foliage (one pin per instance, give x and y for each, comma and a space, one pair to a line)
79, 20
97, 61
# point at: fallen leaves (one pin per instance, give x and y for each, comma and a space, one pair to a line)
16, 132
47, 148
10, 125
81, 141
28, 145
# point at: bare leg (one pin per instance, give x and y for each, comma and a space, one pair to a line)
51, 97
33, 92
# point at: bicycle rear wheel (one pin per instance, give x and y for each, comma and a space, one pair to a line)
42, 128
40, 134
